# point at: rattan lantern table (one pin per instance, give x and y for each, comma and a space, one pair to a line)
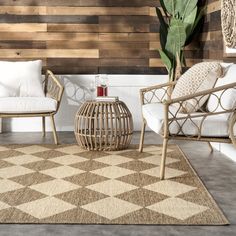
104, 126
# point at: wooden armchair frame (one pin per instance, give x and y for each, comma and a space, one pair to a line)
53, 89
150, 95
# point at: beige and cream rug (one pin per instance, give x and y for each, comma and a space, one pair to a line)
65, 184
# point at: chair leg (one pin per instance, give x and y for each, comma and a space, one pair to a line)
163, 159
210, 146
142, 136
43, 126
54, 129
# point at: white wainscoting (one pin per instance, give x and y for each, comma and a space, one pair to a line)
77, 91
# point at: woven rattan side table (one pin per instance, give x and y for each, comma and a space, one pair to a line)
104, 126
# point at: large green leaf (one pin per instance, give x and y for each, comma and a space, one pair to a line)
196, 26
185, 7
199, 16
170, 6
163, 28
166, 60
161, 18
176, 38
163, 6
178, 27
189, 21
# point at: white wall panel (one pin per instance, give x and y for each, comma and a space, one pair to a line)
77, 91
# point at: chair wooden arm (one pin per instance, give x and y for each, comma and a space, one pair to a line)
178, 102
179, 118
152, 91
202, 94
53, 88
196, 119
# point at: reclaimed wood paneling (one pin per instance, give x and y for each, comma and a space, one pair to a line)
211, 40
86, 36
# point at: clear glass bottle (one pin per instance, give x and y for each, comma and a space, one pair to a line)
102, 85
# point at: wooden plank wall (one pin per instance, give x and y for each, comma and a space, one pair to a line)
211, 40
84, 36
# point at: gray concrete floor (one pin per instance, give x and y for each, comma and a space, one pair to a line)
216, 170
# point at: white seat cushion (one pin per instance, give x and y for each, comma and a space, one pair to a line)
21, 79
213, 126
27, 105
154, 115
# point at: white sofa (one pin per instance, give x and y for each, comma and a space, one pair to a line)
23, 93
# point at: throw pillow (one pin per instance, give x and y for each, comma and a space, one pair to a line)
200, 77
21, 79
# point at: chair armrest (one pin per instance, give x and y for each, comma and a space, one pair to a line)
202, 93
53, 88
174, 117
178, 118
179, 102
150, 94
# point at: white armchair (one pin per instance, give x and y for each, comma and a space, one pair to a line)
168, 117
23, 93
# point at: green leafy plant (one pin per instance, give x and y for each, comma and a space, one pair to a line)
179, 21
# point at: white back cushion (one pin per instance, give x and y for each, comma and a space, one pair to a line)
228, 98
201, 76
21, 79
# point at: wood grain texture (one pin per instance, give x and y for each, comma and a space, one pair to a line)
211, 40
87, 36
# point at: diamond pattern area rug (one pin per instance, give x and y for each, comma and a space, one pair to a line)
65, 184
